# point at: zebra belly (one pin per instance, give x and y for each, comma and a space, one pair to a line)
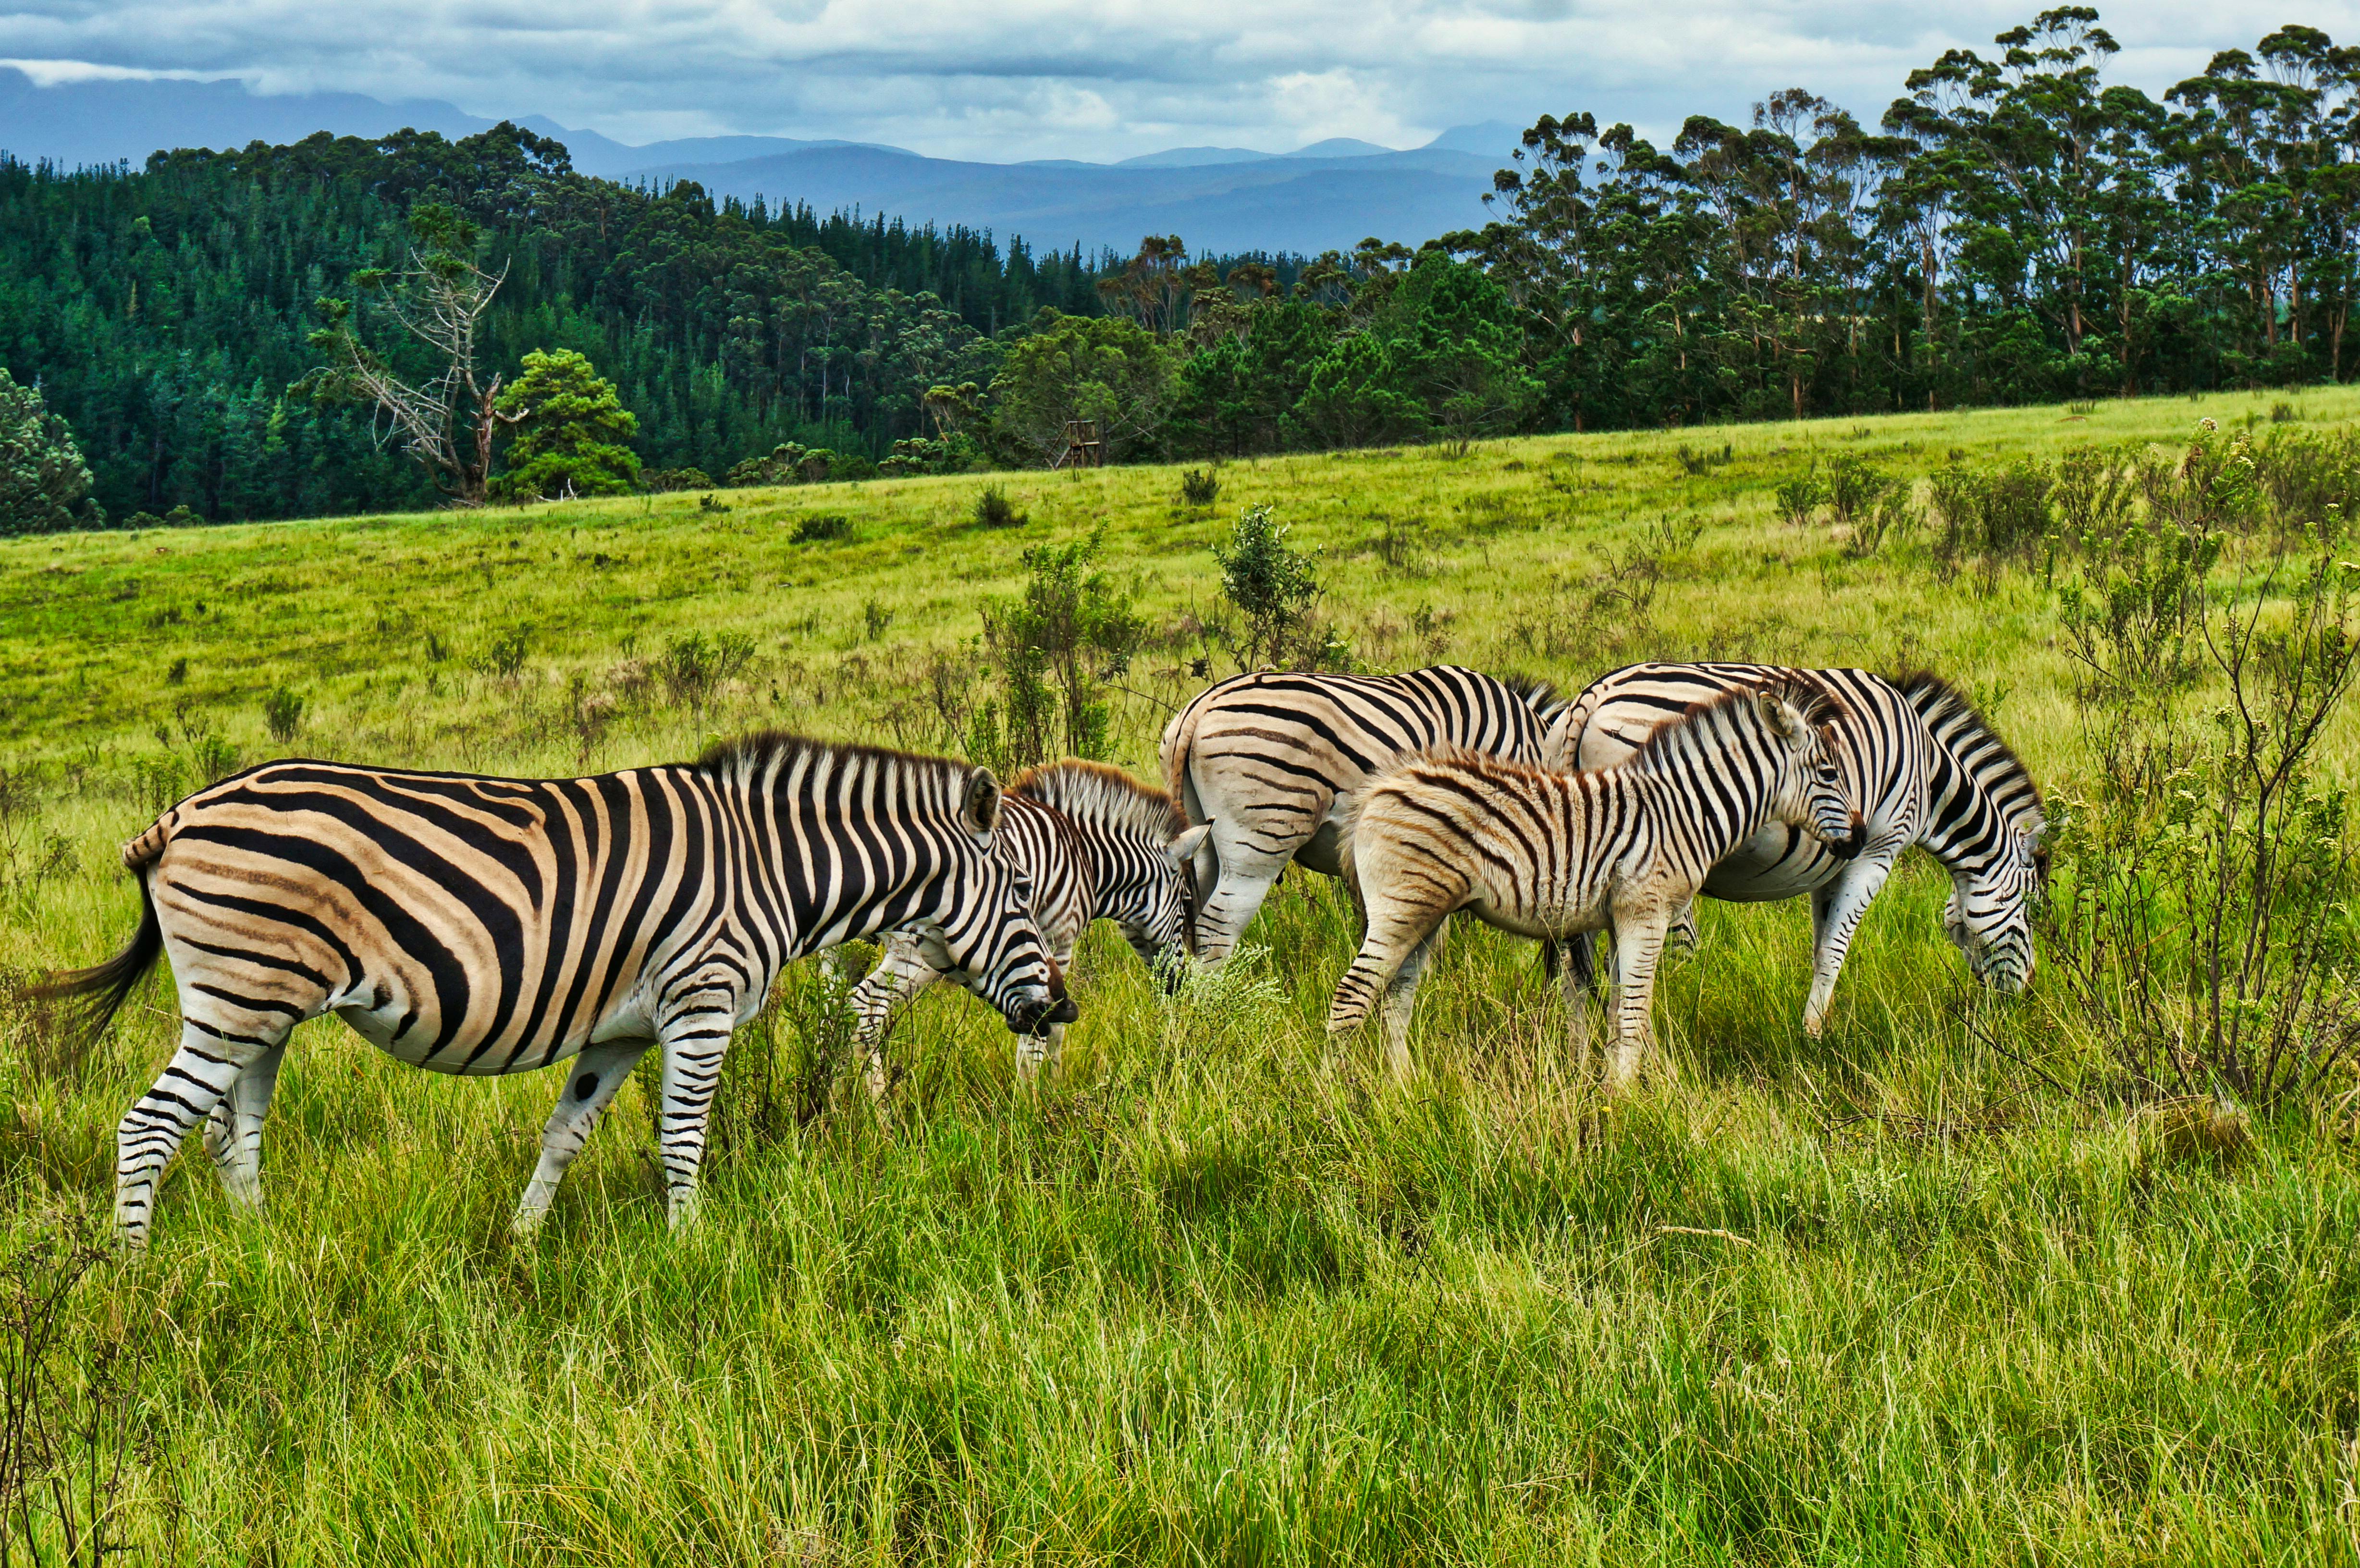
1779, 862
1323, 851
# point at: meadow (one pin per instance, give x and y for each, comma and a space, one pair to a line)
1913, 1293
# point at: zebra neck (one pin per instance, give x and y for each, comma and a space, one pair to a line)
1690, 771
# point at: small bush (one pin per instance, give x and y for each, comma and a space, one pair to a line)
178, 674
822, 529
1799, 498
662, 480
876, 617
994, 510
693, 666
1852, 488
710, 502
283, 714
1200, 487
1272, 586
506, 656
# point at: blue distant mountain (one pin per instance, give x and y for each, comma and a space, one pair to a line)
1330, 194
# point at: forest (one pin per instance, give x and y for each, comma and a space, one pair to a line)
2015, 228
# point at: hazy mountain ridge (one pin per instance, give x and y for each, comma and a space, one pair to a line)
1330, 194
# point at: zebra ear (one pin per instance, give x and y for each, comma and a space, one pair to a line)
1183, 849
1783, 720
979, 811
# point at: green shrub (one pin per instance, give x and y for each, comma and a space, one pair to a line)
283, 713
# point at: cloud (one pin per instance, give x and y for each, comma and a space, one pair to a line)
1093, 79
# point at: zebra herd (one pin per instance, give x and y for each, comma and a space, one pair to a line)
482, 925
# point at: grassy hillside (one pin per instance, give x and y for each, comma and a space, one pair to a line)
1896, 1296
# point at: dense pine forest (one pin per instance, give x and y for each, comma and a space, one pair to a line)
2015, 229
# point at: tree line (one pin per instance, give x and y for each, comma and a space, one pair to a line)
2014, 228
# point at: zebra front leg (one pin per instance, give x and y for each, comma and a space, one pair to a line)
1638, 949
1836, 911
234, 1131
200, 1072
591, 1085
695, 1039
900, 973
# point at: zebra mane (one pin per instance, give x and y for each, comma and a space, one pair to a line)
751, 754
1093, 791
1818, 708
1935, 699
1534, 693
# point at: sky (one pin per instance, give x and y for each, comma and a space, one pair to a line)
1004, 80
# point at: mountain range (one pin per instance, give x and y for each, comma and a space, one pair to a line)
1330, 194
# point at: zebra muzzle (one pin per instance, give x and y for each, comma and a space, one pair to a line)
1852, 843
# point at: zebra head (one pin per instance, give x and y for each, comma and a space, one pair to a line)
1155, 908
988, 941
1989, 914
1809, 789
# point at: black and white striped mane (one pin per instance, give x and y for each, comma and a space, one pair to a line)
1091, 791
1937, 700
1534, 693
749, 756
1818, 709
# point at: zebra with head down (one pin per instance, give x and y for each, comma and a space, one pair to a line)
483, 926
1927, 769
1086, 842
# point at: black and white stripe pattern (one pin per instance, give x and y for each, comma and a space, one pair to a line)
1088, 842
1273, 764
1548, 854
1927, 770
477, 925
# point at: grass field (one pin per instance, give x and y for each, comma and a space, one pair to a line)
1891, 1297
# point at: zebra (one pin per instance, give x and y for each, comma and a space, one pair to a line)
1928, 770
1088, 842
1272, 762
482, 925
1545, 853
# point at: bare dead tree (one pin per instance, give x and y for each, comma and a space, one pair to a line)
447, 423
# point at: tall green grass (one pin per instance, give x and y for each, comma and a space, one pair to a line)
1892, 1297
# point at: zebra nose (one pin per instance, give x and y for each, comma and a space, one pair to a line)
1853, 842
1065, 1012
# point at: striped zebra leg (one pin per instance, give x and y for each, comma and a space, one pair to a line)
1397, 932
901, 972
233, 1132
1836, 911
695, 1038
590, 1086
1401, 1002
1638, 949
1249, 871
200, 1072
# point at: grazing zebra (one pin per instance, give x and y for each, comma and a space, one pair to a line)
1272, 762
1089, 842
1546, 854
1925, 769
479, 925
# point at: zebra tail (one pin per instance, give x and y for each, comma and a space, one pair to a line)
1179, 742
74, 1007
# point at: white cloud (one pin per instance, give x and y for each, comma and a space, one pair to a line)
1086, 78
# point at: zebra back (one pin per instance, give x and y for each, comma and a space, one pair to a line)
1325, 733
488, 925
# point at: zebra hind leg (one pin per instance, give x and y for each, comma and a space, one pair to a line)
182, 1099
234, 1131
590, 1084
